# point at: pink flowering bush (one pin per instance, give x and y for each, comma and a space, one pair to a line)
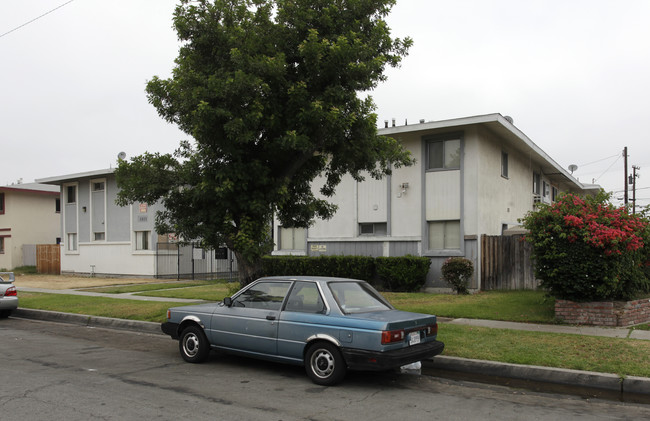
588, 249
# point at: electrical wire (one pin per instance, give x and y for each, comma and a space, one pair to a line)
600, 160
608, 168
36, 18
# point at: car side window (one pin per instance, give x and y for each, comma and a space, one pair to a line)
305, 298
264, 295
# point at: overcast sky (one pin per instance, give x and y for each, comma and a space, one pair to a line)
574, 75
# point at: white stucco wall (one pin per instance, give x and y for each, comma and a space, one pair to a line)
31, 219
109, 258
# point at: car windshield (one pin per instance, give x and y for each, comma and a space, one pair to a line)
358, 297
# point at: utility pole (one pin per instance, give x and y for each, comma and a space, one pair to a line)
625, 175
633, 178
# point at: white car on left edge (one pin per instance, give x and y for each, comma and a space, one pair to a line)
8, 294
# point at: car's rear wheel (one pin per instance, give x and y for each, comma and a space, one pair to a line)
194, 345
4, 314
325, 364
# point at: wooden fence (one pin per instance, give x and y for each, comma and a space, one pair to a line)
48, 259
506, 263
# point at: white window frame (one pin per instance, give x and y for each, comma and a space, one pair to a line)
71, 242
378, 229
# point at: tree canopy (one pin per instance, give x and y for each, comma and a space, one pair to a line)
269, 92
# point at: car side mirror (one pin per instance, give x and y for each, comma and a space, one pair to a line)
227, 301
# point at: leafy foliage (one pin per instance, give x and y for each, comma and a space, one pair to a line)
589, 250
402, 274
457, 272
268, 89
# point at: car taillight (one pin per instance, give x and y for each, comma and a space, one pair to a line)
432, 330
392, 336
169, 314
11, 292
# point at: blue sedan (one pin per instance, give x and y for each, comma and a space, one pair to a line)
329, 325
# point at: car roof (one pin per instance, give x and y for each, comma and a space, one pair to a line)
308, 278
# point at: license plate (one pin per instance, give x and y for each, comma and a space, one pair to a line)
414, 338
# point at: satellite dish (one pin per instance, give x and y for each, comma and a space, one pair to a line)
572, 168
121, 155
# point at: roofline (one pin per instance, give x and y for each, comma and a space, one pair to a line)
483, 119
46, 192
58, 180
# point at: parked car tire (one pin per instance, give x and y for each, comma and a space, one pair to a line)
193, 344
4, 314
325, 364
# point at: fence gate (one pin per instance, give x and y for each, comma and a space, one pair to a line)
506, 263
174, 261
48, 259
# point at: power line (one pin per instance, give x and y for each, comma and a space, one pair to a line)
608, 168
600, 160
36, 18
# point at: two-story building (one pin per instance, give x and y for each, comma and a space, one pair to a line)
98, 236
472, 176
29, 215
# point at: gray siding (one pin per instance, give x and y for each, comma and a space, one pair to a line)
117, 217
402, 248
83, 197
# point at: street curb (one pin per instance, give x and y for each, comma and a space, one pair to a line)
89, 321
628, 386
634, 388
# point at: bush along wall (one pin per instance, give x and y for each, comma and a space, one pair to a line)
405, 273
588, 250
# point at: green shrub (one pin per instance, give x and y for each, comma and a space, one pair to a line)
457, 272
402, 274
355, 267
589, 250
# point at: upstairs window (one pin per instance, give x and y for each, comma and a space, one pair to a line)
98, 186
443, 154
2, 203
71, 194
57, 205
536, 183
504, 164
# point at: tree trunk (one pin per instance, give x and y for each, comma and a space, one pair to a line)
249, 271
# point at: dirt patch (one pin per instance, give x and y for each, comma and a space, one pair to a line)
74, 282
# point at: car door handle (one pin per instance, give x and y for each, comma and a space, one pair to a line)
270, 317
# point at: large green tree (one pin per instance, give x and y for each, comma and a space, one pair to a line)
269, 92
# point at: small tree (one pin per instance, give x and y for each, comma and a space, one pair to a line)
457, 271
589, 250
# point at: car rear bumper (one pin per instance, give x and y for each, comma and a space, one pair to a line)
358, 359
8, 303
170, 329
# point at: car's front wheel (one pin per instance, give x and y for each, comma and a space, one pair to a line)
325, 364
194, 345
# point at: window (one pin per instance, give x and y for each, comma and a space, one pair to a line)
2, 245
536, 183
504, 164
100, 236
142, 240
356, 297
377, 228
98, 186
292, 238
554, 193
546, 190
264, 295
71, 194
305, 298
444, 235
2, 203
443, 154
72, 242
57, 206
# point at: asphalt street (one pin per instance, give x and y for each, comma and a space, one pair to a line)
53, 370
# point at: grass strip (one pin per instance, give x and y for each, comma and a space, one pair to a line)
150, 311
515, 306
624, 357
214, 292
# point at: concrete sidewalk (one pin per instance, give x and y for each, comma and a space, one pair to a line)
124, 296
